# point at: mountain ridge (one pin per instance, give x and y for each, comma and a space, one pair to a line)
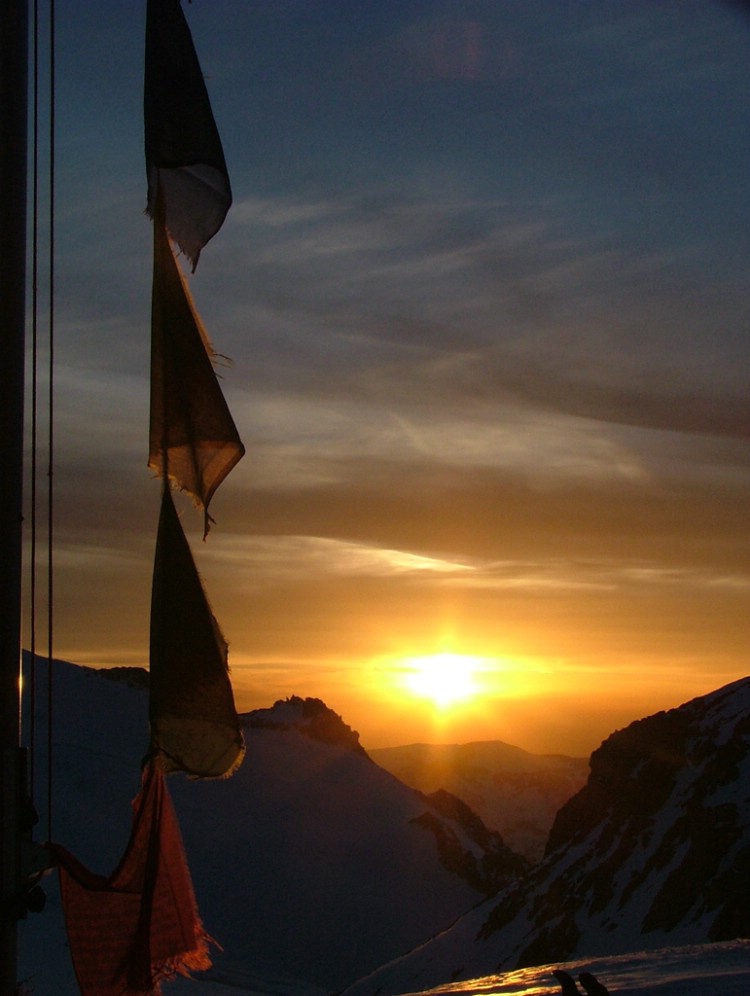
311, 864
654, 850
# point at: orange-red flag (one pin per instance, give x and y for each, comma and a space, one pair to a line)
139, 926
184, 158
194, 724
193, 438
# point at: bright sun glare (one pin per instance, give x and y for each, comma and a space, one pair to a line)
445, 679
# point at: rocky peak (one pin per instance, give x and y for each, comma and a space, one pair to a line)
309, 716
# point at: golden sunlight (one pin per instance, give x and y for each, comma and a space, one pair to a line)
445, 678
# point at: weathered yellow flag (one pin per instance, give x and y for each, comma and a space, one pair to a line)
194, 723
193, 439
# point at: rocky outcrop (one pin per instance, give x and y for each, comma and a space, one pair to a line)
311, 717
488, 866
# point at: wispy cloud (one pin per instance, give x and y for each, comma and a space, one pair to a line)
469, 301
268, 560
484, 286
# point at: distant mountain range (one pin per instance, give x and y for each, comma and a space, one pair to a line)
653, 851
513, 791
314, 867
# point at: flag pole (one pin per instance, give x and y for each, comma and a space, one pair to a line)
14, 33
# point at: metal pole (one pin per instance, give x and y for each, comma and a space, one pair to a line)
13, 167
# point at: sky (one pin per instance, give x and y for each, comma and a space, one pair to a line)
484, 287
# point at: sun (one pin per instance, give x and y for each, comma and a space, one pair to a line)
445, 679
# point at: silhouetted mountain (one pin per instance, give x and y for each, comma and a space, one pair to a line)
515, 792
653, 851
311, 864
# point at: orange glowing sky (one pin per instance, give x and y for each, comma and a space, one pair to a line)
484, 287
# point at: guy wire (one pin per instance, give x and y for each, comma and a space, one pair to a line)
51, 414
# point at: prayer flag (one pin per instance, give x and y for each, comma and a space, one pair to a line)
140, 925
193, 438
194, 724
184, 157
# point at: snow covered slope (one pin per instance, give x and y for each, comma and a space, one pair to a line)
514, 792
311, 863
314, 861
699, 970
654, 850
